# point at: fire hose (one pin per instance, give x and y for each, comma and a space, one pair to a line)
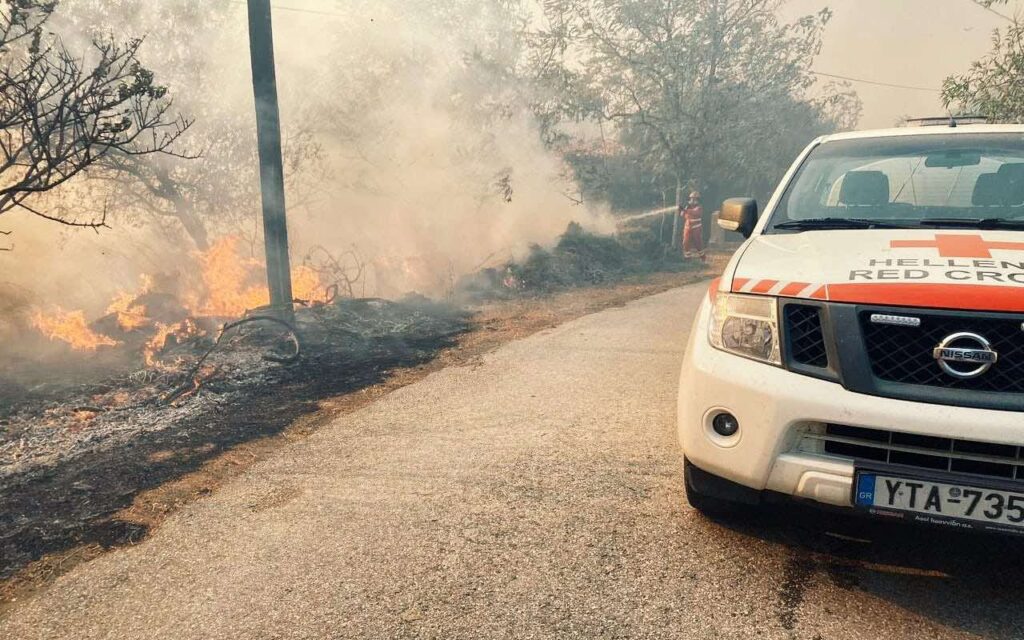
191, 382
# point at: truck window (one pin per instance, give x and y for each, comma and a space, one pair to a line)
909, 178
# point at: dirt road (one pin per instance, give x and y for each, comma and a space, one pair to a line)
536, 493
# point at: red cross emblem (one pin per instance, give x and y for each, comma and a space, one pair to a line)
958, 245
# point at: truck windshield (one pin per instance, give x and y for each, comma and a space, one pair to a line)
960, 179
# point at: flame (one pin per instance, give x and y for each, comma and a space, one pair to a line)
233, 283
181, 331
156, 344
130, 315
70, 327
306, 284
230, 280
229, 283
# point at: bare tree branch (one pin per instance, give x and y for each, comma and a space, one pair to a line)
60, 114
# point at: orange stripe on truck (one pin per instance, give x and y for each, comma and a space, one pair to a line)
976, 297
737, 283
713, 288
793, 288
764, 286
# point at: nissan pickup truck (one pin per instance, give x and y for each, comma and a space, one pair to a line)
864, 347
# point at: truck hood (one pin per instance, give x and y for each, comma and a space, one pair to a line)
954, 269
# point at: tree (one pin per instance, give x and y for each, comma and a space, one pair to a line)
692, 89
207, 70
994, 85
62, 115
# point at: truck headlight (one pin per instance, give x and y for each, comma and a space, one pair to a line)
747, 326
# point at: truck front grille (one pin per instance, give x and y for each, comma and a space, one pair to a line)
904, 353
806, 341
925, 452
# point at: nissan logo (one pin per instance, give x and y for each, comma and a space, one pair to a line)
965, 355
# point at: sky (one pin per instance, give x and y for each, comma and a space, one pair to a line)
908, 42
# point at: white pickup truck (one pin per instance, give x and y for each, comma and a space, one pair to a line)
864, 348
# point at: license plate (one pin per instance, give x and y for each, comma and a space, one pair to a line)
945, 503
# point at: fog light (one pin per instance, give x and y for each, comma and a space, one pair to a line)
725, 424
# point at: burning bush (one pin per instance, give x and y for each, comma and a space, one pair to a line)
70, 327
579, 258
169, 309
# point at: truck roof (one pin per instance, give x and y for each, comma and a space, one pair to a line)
925, 131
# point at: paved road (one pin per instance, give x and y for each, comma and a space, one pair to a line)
534, 494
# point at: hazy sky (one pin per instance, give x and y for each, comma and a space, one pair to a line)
908, 42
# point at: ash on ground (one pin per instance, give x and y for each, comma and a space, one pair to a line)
71, 455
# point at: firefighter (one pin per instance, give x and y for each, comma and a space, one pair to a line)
693, 228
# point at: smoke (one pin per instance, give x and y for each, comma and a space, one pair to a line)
435, 164
407, 136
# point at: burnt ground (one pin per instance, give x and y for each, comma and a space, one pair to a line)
73, 457
88, 468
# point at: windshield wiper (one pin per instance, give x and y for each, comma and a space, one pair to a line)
811, 224
973, 223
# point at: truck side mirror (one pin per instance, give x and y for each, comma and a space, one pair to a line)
738, 214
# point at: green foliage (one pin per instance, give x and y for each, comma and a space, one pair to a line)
692, 92
583, 258
540, 271
994, 85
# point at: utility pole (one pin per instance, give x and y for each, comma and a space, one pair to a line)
268, 133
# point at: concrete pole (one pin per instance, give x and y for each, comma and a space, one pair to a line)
268, 133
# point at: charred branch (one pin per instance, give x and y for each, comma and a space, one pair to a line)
61, 114
193, 382
343, 272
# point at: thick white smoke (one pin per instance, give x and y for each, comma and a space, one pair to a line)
427, 163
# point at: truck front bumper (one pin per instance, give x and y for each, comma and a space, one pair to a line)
776, 408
